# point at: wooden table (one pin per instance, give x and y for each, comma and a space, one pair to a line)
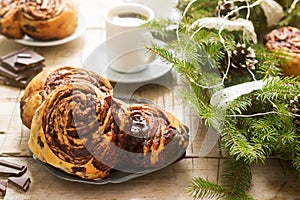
275, 179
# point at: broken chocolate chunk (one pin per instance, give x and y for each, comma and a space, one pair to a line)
11, 165
19, 67
22, 75
21, 182
21, 60
12, 171
3, 186
11, 82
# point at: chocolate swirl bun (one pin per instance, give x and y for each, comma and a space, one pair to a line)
80, 128
9, 19
148, 136
48, 80
48, 19
73, 117
287, 40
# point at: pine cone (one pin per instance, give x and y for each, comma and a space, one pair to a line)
241, 60
224, 8
294, 108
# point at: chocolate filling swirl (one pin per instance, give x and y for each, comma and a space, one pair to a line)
42, 9
66, 75
71, 123
147, 134
7, 7
80, 127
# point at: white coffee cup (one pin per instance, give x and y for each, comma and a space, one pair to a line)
126, 40
161, 8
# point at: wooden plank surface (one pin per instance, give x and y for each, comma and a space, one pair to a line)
275, 179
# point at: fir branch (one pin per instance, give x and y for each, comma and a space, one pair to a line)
200, 188
258, 124
236, 182
240, 105
268, 62
296, 159
162, 29
198, 9
279, 89
236, 178
234, 138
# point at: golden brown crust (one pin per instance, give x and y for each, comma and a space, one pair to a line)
9, 19
48, 19
46, 81
80, 128
287, 40
32, 97
65, 131
147, 130
43, 20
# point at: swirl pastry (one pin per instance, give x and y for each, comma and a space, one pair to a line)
287, 40
48, 19
48, 80
80, 128
66, 123
9, 19
148, 136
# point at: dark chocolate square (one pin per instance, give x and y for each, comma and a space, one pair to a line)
21, 182
21, 60
11, 164
12, 82
22, 75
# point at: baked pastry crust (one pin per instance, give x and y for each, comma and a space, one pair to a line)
80, 128
32, 97
48, 19
9, 19
48, 80
286, 40
148, 137
62, 140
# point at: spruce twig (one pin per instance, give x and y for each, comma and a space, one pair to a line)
255, 125
200, 188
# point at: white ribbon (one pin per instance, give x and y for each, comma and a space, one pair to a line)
273, 11
231, 25
220, 99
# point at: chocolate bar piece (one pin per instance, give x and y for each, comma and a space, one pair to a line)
21, 182
12, 171
22, 75
3, 186
21, 60
12, 82
11, 164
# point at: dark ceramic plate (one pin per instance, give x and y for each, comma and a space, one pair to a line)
114, 176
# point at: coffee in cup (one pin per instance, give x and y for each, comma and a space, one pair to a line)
126, 39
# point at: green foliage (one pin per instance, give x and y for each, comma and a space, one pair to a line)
199, 9
268, 62
254, 126
296, 160
258, 124
201, 188
236, 180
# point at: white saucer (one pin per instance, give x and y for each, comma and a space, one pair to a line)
97, 62
81, 26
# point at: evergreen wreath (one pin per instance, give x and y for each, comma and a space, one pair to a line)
218, 44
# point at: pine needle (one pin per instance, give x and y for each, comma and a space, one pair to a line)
200, 188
